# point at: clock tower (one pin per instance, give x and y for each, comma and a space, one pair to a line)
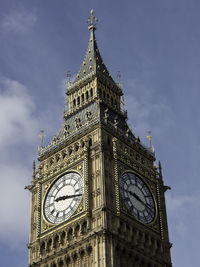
97, 198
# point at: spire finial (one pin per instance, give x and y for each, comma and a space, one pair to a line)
41, 135
149, 137
92, 20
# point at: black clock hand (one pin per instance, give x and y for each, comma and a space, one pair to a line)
135, 196
67, 197
139, 199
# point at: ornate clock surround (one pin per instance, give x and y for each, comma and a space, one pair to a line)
79, 162
127, 161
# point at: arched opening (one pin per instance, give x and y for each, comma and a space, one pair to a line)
62, 238
78, 100
77, 147
49, 243
70, 151
42, 248
77, 230
87, 95
84, 227
90, 142
82, 98
56, 241
74, 103
69, 234
91, 92
64, 154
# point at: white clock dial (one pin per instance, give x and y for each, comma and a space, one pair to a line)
63, 197
137, 197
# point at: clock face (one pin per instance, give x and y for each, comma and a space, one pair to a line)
63, 197
137, 197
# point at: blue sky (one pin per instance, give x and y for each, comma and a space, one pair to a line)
156, 46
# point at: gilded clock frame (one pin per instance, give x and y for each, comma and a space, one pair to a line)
123, 207
45, 187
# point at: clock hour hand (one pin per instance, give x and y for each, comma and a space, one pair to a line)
139, 199
67, 197
135, 196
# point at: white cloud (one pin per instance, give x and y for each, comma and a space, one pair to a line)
15, 203
18, 21
18, 124
19, 127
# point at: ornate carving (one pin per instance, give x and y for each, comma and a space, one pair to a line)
45, 225
116, 121
88, 115
66, 129
77, 122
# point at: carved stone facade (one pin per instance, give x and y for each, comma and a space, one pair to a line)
96, 143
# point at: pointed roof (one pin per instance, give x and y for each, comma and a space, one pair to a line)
93, 64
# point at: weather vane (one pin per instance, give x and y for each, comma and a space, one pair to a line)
92, 20
41, 135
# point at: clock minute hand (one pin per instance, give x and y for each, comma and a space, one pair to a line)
70, 196
67, 197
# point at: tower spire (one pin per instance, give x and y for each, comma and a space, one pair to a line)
93, 64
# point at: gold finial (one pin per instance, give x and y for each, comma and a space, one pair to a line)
41, 135
92, 20
149, 137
